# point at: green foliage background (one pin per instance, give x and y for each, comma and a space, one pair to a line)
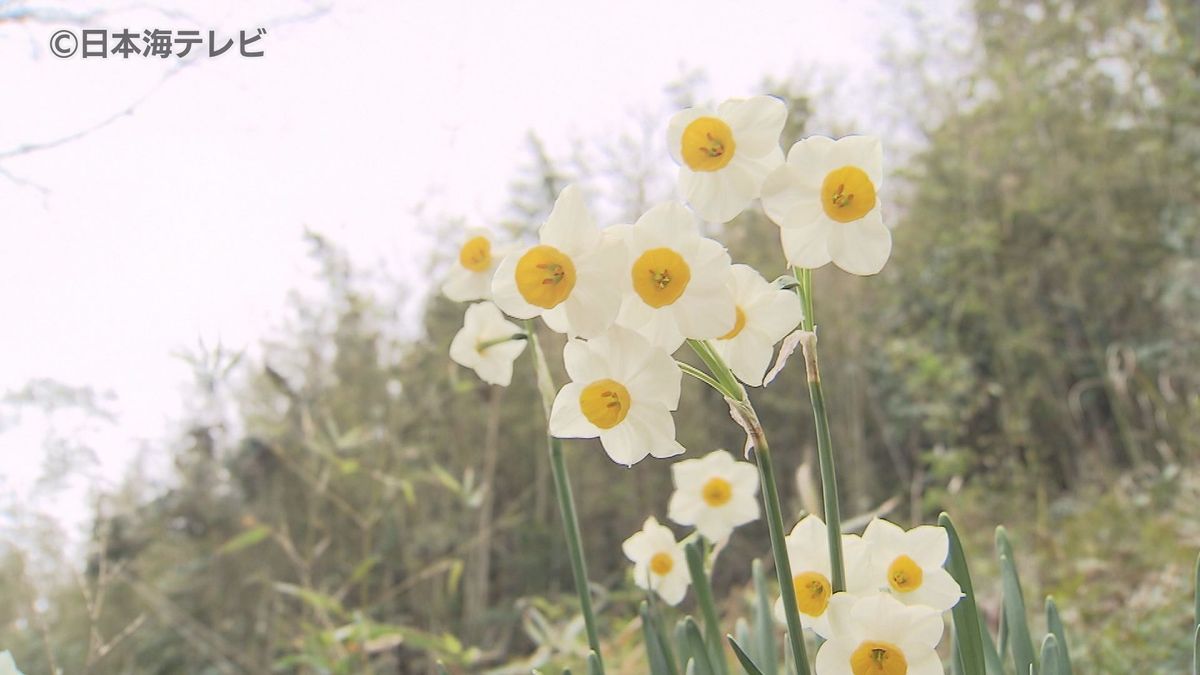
1028, 356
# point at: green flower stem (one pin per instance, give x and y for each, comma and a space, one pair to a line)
726, 382
566, 504
829, 489
699, 375
741, 407
499, 341
783, 566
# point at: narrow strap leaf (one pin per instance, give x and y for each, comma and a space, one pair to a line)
765, 653
694, 553
682, 646
743, 658
1014, 608
967, 627
1050, 656
991, 657
1055, 625
702, 664
658, 654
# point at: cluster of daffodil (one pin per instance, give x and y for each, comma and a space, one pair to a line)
629, 296
889, 620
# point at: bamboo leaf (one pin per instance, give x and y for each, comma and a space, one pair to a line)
314, 599
1055, 626
245, 540
1014, 608
744, 658
967, 627
764, 624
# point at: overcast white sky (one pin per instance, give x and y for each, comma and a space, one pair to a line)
184, 219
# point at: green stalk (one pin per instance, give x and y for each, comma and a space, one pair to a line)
566, 506
726, 380
829, 490
741, 406
783, 567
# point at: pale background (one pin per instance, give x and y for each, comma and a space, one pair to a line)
182, 220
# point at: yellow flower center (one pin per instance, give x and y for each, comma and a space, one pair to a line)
476, 254
739, 322
660, 276
661, 563
847, 194
545, 276
904, 574
605, 403
812, 592
878, 658
707, 144
716, 492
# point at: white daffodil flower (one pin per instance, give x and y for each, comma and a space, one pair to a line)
715, 493
622, 390
724, 156
876, 635
825, 200
485, 344
569, 278
908, 564
676, 283
7, 665
658, 562
765, 314
812, 575
471, 276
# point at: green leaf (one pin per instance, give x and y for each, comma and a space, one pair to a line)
1055, 626
594, 665
694, 553
967, 627
1014, 608
1196, 652
314, 599
681, 641
703, 665
245, 540
741, 632
1196, 616
441, 669
764, 624
956, 662
1050, 658
658, 654
991, 657
744, 658
454, 575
